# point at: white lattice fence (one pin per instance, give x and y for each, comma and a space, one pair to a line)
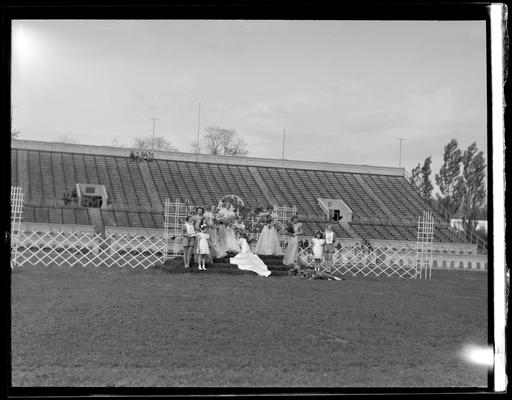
358, 259
83, 249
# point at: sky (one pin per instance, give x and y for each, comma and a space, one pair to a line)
344, 91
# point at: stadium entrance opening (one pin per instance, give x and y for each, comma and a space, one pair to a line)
335, 215
91, 195
335, 210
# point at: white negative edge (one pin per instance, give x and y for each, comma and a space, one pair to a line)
497, 14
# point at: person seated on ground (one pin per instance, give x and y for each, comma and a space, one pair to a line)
247, 260
146, 157
74, 194
132, 156
308, 273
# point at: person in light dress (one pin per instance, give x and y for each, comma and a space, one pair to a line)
227, 237
318, 245
268, 242
210, 218
247, 260
290, 255
203, 249
197, 220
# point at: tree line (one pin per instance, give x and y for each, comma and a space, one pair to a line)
217, 141
460, 180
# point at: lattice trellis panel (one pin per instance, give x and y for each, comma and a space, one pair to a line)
282, 215
425, 244
16, 217
174, 213
83, 249
358, 259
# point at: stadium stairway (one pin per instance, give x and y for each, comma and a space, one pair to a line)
372, 194
223, 266
346, 226
96, 219
23, 176
147, 176
263, 186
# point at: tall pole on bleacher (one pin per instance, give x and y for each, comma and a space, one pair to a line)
284, 135
153, 144
400, 156
198, 124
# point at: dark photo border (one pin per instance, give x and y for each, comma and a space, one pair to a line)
320, 10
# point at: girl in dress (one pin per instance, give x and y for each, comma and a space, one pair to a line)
202, 248
248, 261
318, 244
329, 246
198, 220
290, 255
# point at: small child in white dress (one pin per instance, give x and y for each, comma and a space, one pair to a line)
203, 249
318, 249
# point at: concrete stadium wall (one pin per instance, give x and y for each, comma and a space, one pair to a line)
42, 227
177, 156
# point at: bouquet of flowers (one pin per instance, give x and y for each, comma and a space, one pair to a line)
238, 226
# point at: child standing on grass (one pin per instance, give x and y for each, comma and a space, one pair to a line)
318, 249
190, 240
202, 248
329, 246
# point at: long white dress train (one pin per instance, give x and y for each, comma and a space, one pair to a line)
246, 260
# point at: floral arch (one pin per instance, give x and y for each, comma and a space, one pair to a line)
233, 199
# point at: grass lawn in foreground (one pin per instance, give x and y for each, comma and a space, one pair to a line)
135, 327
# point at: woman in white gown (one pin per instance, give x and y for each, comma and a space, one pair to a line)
248, 261
227, 238
268, 242
290, 255
213, 241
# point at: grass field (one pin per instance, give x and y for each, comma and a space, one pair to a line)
124, 327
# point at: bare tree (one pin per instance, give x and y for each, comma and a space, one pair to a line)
116, 143
161, 143
222, 141
15, 133
65, 139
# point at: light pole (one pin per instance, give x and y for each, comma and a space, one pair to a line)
198, 125
284, 136
153, 144
400, 156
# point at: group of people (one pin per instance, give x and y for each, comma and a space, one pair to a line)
218, 233
143, 156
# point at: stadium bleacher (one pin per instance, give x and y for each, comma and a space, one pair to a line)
384, 206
